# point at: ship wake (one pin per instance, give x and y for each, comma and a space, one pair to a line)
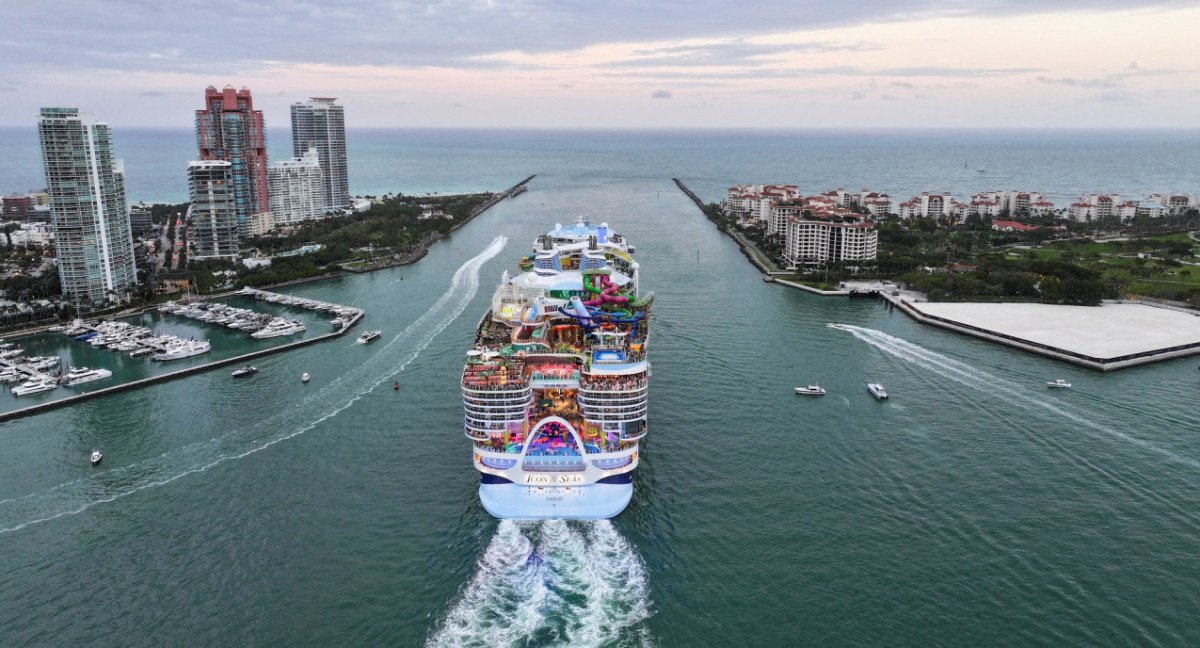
1007, 391
319, 406
552, 583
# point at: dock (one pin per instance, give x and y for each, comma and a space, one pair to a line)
350, 316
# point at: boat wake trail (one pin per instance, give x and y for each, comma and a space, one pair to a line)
1005, 390
552, 583
321, 405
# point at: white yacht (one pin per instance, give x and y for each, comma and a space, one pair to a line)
277, 328
812, 390
80, 375
877, 390
182, 349
369, 336
1058, 384
34, 385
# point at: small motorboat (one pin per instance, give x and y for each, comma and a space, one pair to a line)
96, 457
1058, 384
369, 336
812, 390
877, 390
304, 377
834, 325
248, 370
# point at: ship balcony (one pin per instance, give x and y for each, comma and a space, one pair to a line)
495, 390
553, 464
613, 463
612, 398
499, 408
600, 414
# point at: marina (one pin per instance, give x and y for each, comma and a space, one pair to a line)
131, 341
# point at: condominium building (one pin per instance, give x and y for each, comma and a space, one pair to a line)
929, 205
230, 129
88, 208
295, 189
321, 124
214, 212
813, 242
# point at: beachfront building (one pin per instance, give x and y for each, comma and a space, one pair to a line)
936, 206
230, 129
89, 211
1095, 207
320, 124
813, 241
752, 204
213, 212
1176, 204
875, 203
995, 204
296, 189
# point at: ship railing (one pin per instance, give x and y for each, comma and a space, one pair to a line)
603, 398
512, 386
614, 462
553, 464
594, 412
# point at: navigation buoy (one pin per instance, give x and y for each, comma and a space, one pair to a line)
396, 386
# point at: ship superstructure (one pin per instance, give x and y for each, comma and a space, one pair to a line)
555, 387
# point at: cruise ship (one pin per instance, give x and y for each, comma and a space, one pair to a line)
555, 387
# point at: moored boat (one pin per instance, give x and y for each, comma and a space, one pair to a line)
80, 375
34, 386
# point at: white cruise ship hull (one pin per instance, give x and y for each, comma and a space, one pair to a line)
593, 501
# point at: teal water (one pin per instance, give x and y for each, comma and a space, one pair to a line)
974, 508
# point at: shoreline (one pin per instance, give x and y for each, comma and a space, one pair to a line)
906, 300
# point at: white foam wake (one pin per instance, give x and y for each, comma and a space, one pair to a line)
1004, 390
552, 583
319, 406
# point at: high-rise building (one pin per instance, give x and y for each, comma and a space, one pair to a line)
295, 188
230, 129
88, 208
321, 124
214, 230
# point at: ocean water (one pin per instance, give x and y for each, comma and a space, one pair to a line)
974, 508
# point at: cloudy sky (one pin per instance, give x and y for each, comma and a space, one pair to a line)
614, 63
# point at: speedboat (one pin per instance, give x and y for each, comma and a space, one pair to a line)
369, 336
812, 390
248, 370
877, 390
96, 457
834, 325
1058, 384
34, 386
80, 375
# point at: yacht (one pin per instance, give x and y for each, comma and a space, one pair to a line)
556, 385
369, 336
812, 390
96, 457
278, 328
248, 370
34, 385
80, 375
877, 390
1058, 384
182, 349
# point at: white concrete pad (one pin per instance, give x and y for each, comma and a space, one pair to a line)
1107, 331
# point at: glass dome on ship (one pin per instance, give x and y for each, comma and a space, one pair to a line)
555, 387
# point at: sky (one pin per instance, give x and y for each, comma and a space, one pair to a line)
614, 63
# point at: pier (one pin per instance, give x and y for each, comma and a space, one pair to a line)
353, 315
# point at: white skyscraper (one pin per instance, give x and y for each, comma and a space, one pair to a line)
295, 189
321, 124
214, 212
88, 207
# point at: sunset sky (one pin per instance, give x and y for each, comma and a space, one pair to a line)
615, 64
